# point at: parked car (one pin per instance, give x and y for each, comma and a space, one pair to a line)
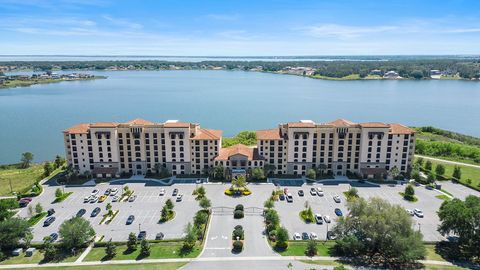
48, 221
81, 212
107, 192
162, 192
28, 199
115, 198
102, 198
87, 199
289, 197
300, 193
331, 235
338, 212
418, 212
142, 235
281, 197
313, 192
53, 237
175, 192
23, 203
318, 219
296, 236
132, 198
94, 192
50, 212
305, 236
285, 191
113, 192
313, 236
319, 191
95, 212
327, 219
410, 212
93, 199
159, 236
337, 199
130, 220
179, 197
198, 181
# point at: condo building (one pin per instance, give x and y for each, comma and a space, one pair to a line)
138, 147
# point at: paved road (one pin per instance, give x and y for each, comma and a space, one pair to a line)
450, 162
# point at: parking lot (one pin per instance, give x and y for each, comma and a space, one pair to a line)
148, 204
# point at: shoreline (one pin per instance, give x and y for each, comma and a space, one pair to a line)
28, 83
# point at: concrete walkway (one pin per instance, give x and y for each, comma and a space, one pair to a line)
450, 162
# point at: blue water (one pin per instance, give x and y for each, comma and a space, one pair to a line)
33, 117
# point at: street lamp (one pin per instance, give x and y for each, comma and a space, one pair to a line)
139, 229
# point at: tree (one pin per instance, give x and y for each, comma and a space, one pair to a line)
239, 181
428, 165
110, 249
416, 175
269, 169
460, 218
409, 191
169, 204
200, 218
26, 160
312, 174
49, 251
258, 174
218, 172
13, 230
311, 249
419, 161
205, 203
30, 210
439, 170
394, 172
144, 248
457, 172
38, 208
58, 193
132, 242
271, 217
269, 204
76, 232
378, 231
59, 161
48, 169
431, 178
201, 192
352, 193
282, 238
190, 237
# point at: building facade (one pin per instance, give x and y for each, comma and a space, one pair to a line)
338, 147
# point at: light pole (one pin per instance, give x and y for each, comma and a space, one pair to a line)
139, 229
326, 236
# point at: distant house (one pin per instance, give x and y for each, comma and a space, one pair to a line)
376, 72
2, 81
435, 74
391, 75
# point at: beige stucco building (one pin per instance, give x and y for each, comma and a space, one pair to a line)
337, 147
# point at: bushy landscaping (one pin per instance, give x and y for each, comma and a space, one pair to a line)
167, 211
244, 137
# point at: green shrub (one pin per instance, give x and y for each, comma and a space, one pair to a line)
239, 207
238, 214
237, 246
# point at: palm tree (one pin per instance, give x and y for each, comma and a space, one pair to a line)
269, 169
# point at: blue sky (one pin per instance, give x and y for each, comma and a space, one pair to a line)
239, 28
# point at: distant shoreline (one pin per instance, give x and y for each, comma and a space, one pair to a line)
30, 82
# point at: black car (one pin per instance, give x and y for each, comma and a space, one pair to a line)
300, 193
331, 235
159, 236
142, 235
50, 212
53, 237
305, 236
48, 221
81, 212
95, 212
130, 219
175, 192
282, 197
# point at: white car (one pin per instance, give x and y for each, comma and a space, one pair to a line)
93, 199
289, 197
296, 236
418, 212
94, 192
337, 199
132, 198
115, 199
179, 197
113, 191
318, 219
313, 192
87, 199
313, 236
327, 219
162, 192
319, 191
410, 212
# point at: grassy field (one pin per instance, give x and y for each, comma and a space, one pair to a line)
20, 179
322, 262
38, 257
36, 218
297, 248
130, 266
158, 250
467, 173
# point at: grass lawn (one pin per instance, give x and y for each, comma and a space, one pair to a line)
158, 250
467, 173
35, 219
63, 197
136, 266
20, 179
431, 254
443, 267
321, 262
297, 248
38, 257
443, 197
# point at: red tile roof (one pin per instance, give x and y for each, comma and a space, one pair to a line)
269, 134
238, 149
341, 123
207, 134
400, 129
301, 125
374, 125
103, 125
140, 121
78, 129
177, 124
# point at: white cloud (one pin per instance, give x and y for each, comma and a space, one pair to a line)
345, 31
122, 22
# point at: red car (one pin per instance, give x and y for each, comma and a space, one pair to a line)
285, 191
26, 199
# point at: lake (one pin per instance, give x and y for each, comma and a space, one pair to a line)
33, 117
